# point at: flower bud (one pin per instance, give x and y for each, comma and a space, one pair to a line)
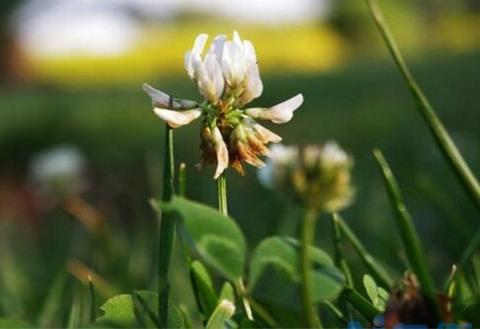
316, 177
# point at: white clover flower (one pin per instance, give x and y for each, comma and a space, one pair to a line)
227, 76
315, 176
59, 172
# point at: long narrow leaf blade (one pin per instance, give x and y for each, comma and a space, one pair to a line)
376, 270
406, 228
438, 130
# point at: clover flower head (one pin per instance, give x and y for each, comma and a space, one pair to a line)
59, 172
228, 78
315, 176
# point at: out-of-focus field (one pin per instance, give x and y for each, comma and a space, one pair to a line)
362, 106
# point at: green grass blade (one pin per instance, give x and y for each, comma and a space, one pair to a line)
339, 317
380, 275
146, 309
167, 224
340, 261
361, 304
472, 247
438, 130
406, 228
53, 302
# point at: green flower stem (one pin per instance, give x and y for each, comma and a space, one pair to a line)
223, 207
222, 194
167, 227
308, 237
411, 241
376, 270
441, 135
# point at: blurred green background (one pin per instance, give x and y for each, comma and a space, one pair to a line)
80, 91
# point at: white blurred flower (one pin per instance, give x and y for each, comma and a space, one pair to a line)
315, 176
59, 172
228, 78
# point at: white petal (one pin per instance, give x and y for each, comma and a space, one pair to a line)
254, 87
177, 119
222, 152
236, 38
215, 75
195, 53
159, 98
234, 64
188, 64
199, 44
279, 113
217, 46
249, 51
162, 99
267, 135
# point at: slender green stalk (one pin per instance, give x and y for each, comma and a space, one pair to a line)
308, 237
439, 132
223, 207
339, 259
411, 241
378, 272
222, 194
167, 226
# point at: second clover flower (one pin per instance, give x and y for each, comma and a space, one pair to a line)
228, 78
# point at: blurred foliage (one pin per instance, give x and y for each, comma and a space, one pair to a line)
160, 50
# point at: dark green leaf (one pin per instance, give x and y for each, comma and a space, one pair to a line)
215, 237
123, 311
274, 276
203, 288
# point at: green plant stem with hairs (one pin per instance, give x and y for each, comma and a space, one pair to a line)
438, 130
308, 239
223, 207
